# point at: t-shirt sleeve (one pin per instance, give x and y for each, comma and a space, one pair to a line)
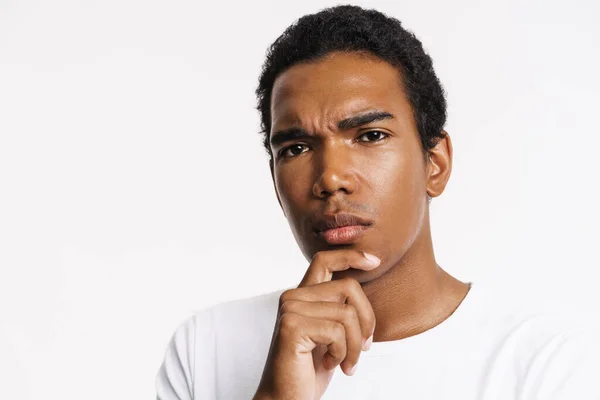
175, 378
188, 368
568, 367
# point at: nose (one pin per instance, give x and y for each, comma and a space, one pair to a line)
335, 172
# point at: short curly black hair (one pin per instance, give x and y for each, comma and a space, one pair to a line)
348, 28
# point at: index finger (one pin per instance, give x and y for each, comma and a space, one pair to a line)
325, 263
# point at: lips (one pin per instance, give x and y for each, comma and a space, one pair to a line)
345, 235
341, 228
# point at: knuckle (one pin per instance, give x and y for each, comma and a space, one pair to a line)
288, 323
338, 331
354, 285
351, 285
355, 289
347, 281
348, 312
318, 257
287, 306
286, 296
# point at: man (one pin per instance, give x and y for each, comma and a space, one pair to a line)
353, 116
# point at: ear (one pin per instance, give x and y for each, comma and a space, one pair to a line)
274, 186
439, 166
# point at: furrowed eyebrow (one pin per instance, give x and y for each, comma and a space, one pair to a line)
285, 135
363, 119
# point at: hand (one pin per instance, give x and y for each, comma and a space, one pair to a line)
320, 325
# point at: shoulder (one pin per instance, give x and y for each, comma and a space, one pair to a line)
220, 332
552, 353
500, 309
522, 323
246, 309
227, 318
241, 318
566, 361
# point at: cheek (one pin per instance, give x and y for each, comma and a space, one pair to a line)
293, 186
396, 177
399, 183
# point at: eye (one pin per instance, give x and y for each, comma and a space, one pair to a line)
377, 135
292, 151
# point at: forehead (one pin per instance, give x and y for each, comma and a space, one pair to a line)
336, 86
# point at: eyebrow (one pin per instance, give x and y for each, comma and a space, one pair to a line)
286, 135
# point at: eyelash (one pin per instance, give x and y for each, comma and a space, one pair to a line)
384, 136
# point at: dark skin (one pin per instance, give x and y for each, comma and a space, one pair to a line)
378, 170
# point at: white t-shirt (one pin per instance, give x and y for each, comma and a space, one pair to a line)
485, 350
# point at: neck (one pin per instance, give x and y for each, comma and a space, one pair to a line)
415, 294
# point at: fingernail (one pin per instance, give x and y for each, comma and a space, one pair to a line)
368, 343
372, 259
353, 370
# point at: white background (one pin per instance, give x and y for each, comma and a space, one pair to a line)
134, 188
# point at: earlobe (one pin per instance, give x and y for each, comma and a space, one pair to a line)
439, 166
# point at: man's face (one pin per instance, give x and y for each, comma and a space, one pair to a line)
376, 170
